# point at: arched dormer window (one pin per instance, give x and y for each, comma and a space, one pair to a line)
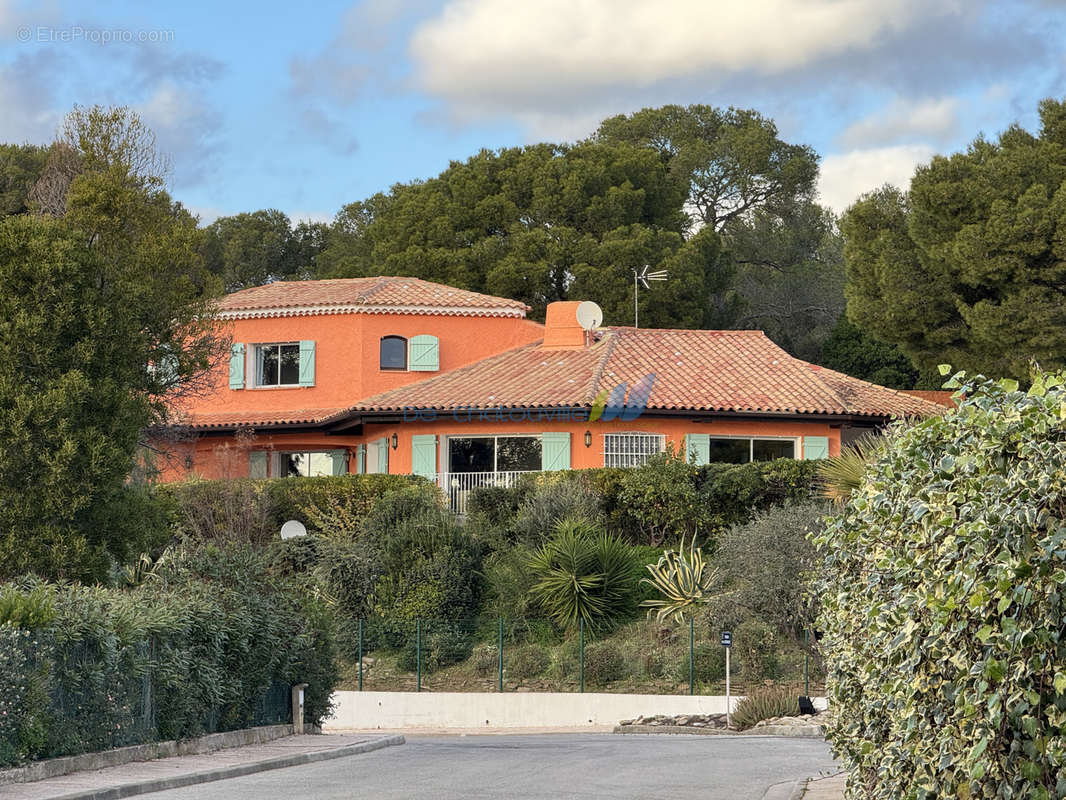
393, 352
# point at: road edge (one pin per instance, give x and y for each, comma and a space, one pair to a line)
237, 771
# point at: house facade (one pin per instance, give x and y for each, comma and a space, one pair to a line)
406, 376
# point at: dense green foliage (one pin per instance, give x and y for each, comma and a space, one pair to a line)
249, 510
967, 266
854, 352
101, 316
943, 605
263, 246
210, 641
661, 502
20, 168
582, 575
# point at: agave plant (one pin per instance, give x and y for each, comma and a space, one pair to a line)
843, 475
684, 580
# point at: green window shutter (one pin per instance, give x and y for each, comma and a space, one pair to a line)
383, 455
340, 461
698, 448
236, 366
257, 464
360, 460
307, 363
424, 455
424, 354
554, 451
815, 447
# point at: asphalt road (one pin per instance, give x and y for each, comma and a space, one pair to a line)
529, 767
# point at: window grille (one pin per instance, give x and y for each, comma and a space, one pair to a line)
631, 449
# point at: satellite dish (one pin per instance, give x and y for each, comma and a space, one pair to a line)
589, 315
293, 529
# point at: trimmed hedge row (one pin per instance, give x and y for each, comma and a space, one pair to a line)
254, 510
210, 641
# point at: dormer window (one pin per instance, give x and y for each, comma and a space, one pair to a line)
393, 352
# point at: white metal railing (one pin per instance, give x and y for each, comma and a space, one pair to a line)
458, 485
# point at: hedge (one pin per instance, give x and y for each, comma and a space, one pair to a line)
944, 604
210, 641
667, 498
254, 510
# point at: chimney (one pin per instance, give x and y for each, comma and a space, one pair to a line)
562, 331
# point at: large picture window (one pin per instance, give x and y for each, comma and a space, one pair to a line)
303, 465
740, 451
277, 364
631, 449
494, 453
393, 352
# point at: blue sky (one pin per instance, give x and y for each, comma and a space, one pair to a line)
306, 108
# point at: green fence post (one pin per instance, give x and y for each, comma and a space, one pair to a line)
581, 648
499, 653
418, 651
691, 655
806, 664
360, 655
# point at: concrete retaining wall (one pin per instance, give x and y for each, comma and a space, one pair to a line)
392, 710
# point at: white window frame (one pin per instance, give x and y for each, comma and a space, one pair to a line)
622, 447
752, 439
253, 367
445, 446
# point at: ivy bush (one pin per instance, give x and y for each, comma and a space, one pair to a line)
944, 585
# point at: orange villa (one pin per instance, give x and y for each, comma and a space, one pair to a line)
404, 376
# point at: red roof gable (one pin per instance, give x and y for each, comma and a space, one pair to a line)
695, 370
373, 295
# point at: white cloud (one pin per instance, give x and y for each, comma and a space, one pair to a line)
906, 120
297, 217
490, 57
845, 176
186, 129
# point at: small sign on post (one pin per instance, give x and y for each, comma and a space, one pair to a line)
727, 643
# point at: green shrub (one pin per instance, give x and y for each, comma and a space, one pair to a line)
662, 499
765, 702
206, 640
709, 663
555, 497
767, 564
26, 608
755, 644
254, 510
942, 591
604, 663
584, 575
486, 660
526, 661
346, 573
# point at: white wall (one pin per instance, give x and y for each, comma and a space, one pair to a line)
510, 709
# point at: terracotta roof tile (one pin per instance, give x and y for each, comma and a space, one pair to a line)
369, 294
257, 419
737, 371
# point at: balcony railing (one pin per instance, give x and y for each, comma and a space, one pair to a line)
458, 485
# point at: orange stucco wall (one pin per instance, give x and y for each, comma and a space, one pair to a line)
347, 366
219, 457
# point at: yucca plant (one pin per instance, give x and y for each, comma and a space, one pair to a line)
842, 475
583, 574
684, 580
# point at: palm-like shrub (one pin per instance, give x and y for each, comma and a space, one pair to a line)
766, 702
841, 476
684, 580
585, 575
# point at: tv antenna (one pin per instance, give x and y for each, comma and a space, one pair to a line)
641, 278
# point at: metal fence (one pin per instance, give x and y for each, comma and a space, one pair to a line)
67, 698
496, 654
459, 485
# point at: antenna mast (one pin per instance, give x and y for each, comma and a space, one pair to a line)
641, 278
